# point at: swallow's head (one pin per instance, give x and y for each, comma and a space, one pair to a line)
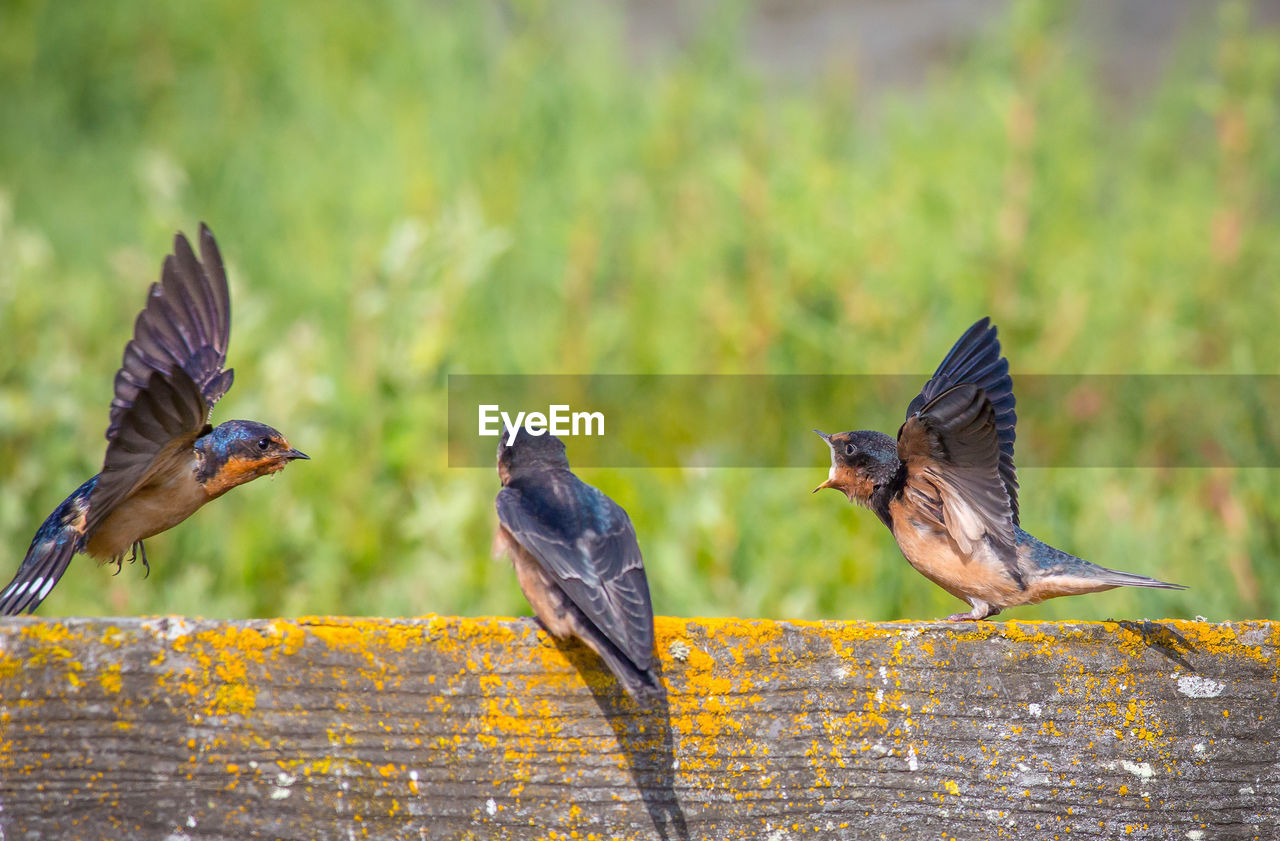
860, 462
528, 452
240, 451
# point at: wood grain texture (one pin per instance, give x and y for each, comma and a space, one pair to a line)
335, 728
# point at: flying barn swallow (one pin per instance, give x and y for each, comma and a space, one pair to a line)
948, 490
576, 558
163, 458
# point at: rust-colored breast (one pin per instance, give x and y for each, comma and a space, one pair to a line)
549, 603
936, 556
169, 498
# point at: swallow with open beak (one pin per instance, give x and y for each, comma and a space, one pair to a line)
948, 490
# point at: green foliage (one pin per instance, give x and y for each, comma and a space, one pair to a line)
408, 190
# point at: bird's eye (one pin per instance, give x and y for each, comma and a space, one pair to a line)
264, 444
848, 449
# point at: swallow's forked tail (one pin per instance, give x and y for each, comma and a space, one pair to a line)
641, 684
1130, 579
60, 537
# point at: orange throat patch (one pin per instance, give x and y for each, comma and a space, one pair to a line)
858, 487
239, 470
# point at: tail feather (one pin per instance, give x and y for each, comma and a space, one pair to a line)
1130, 579
44, 565
641, 684
1053, 572
58, 539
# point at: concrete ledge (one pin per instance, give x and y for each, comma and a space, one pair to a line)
438, 727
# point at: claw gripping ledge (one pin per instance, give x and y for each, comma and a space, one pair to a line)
441, 727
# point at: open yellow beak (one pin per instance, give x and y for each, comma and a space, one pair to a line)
829, 483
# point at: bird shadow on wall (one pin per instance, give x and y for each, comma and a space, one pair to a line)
1162, 639
644, 737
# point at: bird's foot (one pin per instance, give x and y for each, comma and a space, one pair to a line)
140, 548
980, 611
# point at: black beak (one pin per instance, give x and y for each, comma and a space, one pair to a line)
824, 436
295, 454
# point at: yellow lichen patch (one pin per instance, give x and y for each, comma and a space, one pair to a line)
225, 665
113, 637
110, 678
1036, 642
49, 643
232, 699
365, 636
10, 665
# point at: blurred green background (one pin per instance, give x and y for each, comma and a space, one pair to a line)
405, 190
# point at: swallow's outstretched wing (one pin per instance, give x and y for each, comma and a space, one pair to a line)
952, 452
585, 541
975, 358
171, 375
186, 324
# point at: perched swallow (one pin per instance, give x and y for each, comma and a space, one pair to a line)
576, 558
163, 458
948, 491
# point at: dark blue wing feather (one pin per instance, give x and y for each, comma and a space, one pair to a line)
976, 359
585, 541
186, 324
951, 452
